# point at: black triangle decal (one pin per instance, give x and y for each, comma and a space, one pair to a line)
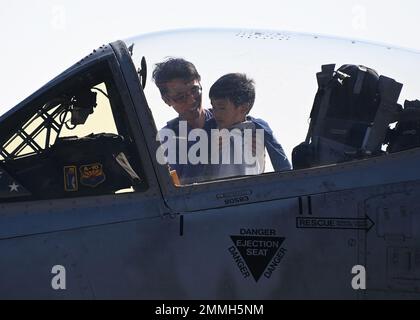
257, 251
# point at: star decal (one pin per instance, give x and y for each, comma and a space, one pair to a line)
14, 187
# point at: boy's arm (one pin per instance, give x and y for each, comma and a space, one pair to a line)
275, 150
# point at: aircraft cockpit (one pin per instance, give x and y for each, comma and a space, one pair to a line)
327, 101
70, 141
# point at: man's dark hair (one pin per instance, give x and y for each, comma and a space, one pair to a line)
174, 68
236, 87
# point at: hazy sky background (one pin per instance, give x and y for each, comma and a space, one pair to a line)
40, 39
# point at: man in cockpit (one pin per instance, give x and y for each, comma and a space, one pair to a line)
179, 84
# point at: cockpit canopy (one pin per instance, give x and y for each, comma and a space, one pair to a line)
283, 65
326, 100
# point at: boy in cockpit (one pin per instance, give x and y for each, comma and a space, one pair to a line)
238, 145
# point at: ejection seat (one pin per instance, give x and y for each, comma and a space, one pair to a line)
350, 116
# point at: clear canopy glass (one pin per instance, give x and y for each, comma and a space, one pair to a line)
283, 65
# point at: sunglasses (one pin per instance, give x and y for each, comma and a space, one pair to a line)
194, 91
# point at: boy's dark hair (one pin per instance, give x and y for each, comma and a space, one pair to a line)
236, 87
174, 68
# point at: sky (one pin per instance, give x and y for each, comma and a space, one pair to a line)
40, 39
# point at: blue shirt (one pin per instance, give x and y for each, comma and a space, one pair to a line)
275, 150
277, 155
190, 173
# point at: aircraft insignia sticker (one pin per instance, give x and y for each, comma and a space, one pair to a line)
9, 187
257, 252
70, 179
92, 175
